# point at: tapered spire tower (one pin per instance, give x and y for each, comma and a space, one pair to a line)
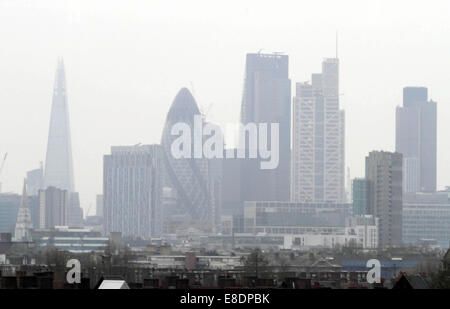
23, 223
58, 163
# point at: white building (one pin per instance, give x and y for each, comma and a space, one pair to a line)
23, 224
132, 191
318, 152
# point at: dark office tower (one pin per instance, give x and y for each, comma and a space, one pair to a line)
189, 176
266, 99
416, 132
384, 173
318, 149
58, 164
132, 191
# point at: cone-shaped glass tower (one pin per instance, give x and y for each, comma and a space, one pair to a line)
58, 163
188, 176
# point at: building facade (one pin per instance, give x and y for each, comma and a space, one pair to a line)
75, 240
360, 196
74, 211
99, 205
416, 132
132, 191
266, 99
53, 205
318, 151
310, 225
426, 217
9, 208
35, 181
384, 172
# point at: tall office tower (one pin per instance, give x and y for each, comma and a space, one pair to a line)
35, 181
99, 205
132, 190
416, 132
188, 177
318, 152
53, 204
266, 99
58, 163
384, 173
23, 223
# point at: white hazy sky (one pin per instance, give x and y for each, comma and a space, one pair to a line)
126, 60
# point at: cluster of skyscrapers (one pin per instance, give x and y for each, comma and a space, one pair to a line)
148, 192
49, 198
201, 194
400, 188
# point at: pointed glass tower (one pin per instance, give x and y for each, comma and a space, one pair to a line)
58, 163
23, 223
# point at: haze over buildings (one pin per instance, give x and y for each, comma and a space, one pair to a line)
146, 186
105, 93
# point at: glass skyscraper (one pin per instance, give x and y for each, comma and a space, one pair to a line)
416, 132
266, 99
58, 163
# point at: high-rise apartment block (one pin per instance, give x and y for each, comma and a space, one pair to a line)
132, 191
384, 173
53, 206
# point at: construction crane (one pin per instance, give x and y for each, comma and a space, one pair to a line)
1, 169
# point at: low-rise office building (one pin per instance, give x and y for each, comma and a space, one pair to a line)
77, 240
310, 225
426, 216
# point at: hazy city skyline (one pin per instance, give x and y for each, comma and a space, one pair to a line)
126, 62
